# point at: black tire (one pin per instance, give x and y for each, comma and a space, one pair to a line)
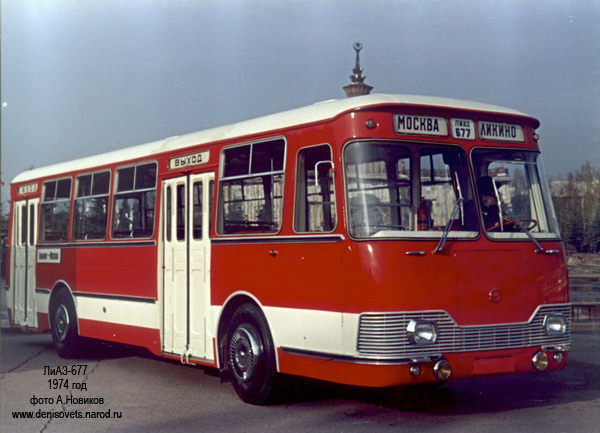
250, 356
63, 324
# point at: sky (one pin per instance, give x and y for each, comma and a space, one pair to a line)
82, 77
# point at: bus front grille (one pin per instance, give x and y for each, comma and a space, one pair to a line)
384, 335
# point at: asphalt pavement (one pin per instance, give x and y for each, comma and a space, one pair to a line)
124, 389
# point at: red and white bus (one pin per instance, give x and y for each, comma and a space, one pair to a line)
376, 241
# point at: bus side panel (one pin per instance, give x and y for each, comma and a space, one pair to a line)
120, 271
302, 278
134, 335
110, 271
43, 321
302, 275
103, 270
117, 272
49, 274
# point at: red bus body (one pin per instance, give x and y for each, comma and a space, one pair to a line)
337, 301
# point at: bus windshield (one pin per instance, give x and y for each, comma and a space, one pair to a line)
397, 189
514, 195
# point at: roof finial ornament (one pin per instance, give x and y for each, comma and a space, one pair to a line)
358, 87
357, 76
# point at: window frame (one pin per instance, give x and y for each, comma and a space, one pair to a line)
334, 194
220, 211
414, 148
91, 196
43, 203
550, 211
116, 194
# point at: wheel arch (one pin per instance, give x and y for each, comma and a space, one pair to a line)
230, 306
58, 287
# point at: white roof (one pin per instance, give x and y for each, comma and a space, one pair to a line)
312, 113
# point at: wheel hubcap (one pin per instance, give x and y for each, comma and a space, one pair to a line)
61, 322
244, 352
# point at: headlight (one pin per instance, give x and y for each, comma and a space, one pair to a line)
554, 324
420, 332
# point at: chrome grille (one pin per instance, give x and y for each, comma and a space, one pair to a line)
383, 335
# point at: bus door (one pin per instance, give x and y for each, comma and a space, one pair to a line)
186, 218
23, 265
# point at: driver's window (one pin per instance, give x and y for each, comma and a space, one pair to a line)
513, 194
511, 185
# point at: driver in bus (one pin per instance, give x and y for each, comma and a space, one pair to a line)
490, 211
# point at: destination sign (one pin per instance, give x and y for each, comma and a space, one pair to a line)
189, 160
501, 131
463, 129
422, 125
26, 189
48, 255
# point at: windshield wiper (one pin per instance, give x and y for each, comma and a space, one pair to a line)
442, 242
539, 247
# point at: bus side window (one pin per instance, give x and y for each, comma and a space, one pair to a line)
135, 201
211, 187
180, 212
197, 212
54, 219
315, 209
91, 206
251, 188
23, 241
168, 227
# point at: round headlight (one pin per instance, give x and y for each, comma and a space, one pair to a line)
421, 332
554, 324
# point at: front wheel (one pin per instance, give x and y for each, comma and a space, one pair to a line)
251, 355
63, 324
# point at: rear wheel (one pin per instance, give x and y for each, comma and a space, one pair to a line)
63, 323
251, 356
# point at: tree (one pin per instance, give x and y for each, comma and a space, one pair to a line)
577, 203
3, 220
592, 234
